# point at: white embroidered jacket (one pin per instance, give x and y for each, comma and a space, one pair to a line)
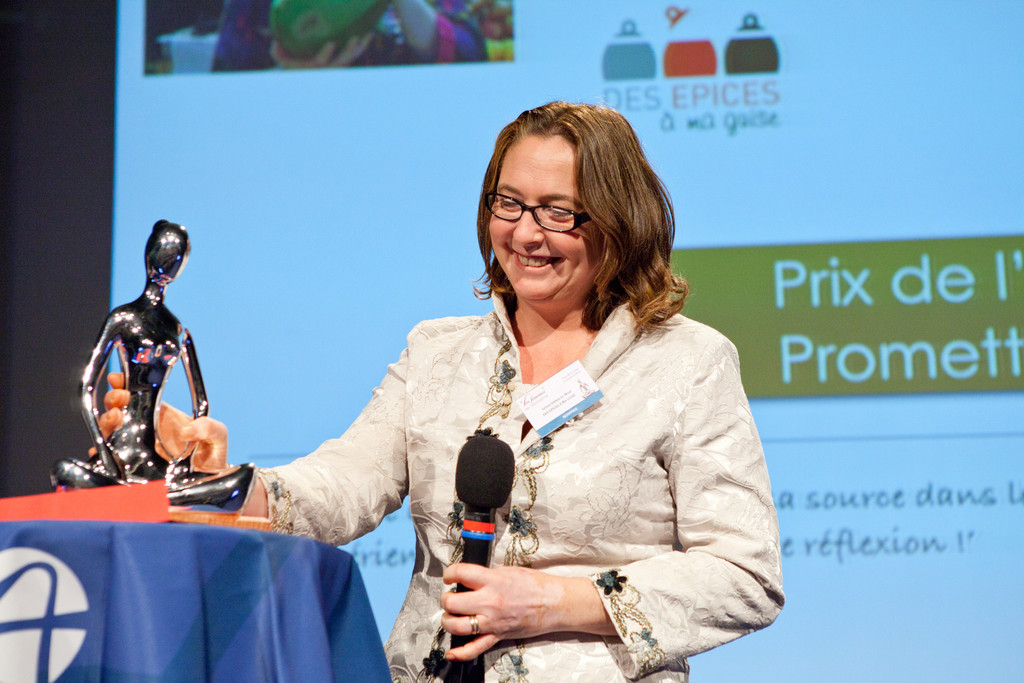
658, 492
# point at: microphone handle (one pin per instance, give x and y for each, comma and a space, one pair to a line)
476, 549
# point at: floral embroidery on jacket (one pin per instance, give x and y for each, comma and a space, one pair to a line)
280, 499
510, 668
523, 541
611, 581
433, 664
623, 605
455, 516
453, 535
499, 394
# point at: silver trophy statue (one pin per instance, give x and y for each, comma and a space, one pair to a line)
149, 342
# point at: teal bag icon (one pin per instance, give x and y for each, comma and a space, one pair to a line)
630, 60
755, 55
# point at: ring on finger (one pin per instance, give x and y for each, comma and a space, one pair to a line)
474, 625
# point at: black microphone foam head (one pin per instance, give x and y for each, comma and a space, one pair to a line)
484, 472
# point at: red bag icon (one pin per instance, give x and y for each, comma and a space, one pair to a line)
690, 58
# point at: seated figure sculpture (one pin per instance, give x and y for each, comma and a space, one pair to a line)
149, 341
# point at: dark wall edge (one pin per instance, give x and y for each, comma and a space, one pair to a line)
57, 67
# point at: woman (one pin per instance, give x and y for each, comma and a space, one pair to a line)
637, 534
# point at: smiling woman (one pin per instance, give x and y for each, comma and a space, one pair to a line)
637, 533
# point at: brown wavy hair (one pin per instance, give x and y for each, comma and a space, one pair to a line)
628, 205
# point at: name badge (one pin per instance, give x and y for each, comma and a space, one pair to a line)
561, 398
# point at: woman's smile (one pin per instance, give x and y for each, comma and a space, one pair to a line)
536, 261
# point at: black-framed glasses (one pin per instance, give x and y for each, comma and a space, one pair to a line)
553, 218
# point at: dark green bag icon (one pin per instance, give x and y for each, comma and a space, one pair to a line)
751, 55
629, 61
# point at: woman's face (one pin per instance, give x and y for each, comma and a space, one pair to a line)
551, 272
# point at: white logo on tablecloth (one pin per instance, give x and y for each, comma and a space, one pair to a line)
38, 593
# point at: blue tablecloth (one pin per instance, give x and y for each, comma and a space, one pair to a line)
99, 601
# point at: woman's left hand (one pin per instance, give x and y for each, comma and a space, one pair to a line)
516, 602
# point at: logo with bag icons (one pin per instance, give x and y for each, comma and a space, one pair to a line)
42, 615
726, 82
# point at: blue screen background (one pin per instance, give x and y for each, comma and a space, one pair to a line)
330, 210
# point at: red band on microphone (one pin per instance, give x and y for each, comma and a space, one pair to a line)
479, 527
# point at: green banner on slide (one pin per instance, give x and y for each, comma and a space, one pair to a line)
866, 317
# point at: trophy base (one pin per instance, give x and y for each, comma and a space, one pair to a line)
226, 491
75, 474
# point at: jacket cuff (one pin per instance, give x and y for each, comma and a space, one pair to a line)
639, 653
279, 502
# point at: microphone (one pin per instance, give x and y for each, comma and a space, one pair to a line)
483, 481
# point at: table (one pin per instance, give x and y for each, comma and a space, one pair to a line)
116, 601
